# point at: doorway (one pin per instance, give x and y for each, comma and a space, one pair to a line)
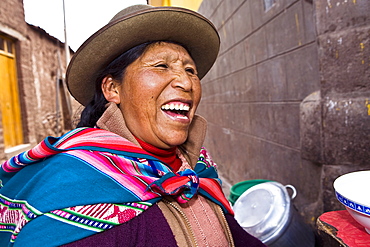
9, 96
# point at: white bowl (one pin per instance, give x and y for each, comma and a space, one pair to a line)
352, 190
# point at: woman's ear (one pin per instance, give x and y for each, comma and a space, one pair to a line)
110, 90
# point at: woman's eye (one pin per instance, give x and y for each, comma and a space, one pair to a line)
162, 65
190, 70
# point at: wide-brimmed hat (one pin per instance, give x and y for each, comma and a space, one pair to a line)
133, 26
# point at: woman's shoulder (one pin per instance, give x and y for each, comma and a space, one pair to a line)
58, 182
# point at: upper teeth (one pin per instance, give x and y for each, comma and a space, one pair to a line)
178, 107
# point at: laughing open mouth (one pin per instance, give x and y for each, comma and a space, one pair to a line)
178, 110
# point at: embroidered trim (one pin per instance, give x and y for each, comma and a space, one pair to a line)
14, 214
99, 217
206, 160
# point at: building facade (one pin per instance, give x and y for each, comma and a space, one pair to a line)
33, 98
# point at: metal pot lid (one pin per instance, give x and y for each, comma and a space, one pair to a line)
264, 210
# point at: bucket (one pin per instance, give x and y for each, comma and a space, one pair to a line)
266, 212
239, 188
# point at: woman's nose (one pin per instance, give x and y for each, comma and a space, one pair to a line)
183, 80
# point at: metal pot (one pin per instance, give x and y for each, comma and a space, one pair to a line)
266, 212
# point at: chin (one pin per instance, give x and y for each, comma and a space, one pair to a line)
176, 141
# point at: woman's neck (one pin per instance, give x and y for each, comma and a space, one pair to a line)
168, 156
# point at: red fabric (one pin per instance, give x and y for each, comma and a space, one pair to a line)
168, 156
349, 230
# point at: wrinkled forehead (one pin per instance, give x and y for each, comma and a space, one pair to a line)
167, 51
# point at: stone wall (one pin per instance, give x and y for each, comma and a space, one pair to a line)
343, 29
288, 98
268, 63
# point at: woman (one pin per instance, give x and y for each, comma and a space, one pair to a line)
134, 172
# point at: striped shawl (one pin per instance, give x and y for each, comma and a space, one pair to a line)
88, 181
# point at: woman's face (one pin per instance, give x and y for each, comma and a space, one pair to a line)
159, 95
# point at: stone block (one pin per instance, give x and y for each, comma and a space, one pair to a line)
223, 12
223, 66
311, 128
242, 22
227, 37
241, 118
302, 72
344, 62
241, 162
285, 32
346, 131
245, 159
309, 23
212, 113
256, 12
244, 84
212, 11
237, 87
338, 15
236, 57
335, 131
216, 142
256, 47
212, 73
207, 8
272, 80
277, 123
260, 16
208, 92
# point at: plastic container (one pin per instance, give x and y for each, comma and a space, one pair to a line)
239, 188
266, 212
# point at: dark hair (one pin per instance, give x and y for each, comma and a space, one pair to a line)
117, 68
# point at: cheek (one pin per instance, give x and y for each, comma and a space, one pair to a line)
138, 103
146, 86
197, 93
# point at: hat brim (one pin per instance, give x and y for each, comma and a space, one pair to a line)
180, 25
